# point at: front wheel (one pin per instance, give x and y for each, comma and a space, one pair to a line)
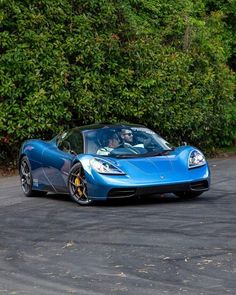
78, 186
188, 194
26, 179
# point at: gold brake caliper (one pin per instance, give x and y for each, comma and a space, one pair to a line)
78, 183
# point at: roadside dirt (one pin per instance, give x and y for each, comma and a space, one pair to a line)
8, 171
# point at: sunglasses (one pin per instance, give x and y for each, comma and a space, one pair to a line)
129, 134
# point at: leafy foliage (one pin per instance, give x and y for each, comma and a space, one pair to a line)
163, 64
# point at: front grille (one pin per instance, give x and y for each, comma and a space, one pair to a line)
162, 189
121, 192
149, 190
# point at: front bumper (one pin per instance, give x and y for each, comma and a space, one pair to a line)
197, 186
102, 187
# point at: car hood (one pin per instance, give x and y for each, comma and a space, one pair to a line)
152, 170
146, 166
164, 169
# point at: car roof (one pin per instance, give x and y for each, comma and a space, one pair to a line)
105, 125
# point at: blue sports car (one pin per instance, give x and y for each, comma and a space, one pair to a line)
105, 161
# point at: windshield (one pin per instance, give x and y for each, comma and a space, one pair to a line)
124, 141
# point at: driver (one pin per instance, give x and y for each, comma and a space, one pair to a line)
110, 141
128, 138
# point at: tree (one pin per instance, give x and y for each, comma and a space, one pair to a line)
164, 64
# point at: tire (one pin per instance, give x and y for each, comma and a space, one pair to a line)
188, 194
77, 185
27, 179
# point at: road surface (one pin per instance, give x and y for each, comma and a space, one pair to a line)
156, 246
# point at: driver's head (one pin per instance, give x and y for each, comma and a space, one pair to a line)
112, 140
127, 135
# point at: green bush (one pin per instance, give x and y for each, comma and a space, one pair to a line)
163, 64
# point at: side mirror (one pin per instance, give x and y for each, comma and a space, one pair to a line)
73, 153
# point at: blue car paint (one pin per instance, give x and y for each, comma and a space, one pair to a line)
143, 172
50, 169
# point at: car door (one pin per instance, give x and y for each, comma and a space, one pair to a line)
57, 160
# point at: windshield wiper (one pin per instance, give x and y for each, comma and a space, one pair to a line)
126, 156
160, 153
151, 154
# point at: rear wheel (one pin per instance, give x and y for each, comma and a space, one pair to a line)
78, 186
27, 179
188, 194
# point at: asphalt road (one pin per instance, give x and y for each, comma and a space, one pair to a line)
159, 246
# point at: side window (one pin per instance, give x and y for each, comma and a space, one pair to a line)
71, 142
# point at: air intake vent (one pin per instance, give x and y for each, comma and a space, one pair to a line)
121, 192
199, 185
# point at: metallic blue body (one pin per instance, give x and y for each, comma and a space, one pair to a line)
50, 168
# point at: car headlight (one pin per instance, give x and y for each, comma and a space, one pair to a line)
196, 159
104, 167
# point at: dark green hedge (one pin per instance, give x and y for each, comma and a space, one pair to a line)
165, 64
